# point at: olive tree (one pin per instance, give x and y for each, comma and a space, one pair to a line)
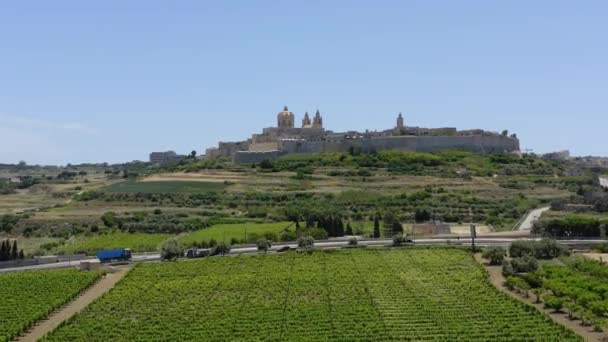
263, 245
495, 255
171, 250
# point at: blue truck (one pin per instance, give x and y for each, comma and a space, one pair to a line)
107, 255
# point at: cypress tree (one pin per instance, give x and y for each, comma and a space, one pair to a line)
328, 224
3, 251
340, 227
349, 229
14, 251
21, 255
376, 227
397, 228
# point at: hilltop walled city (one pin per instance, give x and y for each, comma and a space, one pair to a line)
312, 137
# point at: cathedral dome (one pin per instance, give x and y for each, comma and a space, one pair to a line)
285, 119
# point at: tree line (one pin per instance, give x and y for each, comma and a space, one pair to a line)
10, 251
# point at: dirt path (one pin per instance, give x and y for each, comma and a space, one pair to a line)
497, 279
601, 257
78, 304
71, 198
532, 217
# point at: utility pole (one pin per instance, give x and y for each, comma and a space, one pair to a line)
414, 229
473, 230
473, 236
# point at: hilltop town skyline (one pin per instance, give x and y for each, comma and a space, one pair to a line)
88, 83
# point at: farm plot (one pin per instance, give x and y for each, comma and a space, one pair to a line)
240, 232
426, 294
138, 242
579, 287
161, 187
26, 297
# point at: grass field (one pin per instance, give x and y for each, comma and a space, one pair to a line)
26, 297
416, 294
31, 245
159, 187
138, 242
239, 231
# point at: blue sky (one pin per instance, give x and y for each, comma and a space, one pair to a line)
84, 81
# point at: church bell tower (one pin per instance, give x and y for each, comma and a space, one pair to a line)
400, 123
317, 121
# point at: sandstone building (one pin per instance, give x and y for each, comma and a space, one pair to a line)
164, 158
312, 137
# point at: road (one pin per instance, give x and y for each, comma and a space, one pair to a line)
76, 263
464, 241
532, 217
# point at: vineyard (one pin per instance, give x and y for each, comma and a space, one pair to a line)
30, 296
579, 288
138, 242
421, 294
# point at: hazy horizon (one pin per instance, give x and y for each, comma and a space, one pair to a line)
114, 81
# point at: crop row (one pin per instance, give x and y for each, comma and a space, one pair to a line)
420, 294
26, 297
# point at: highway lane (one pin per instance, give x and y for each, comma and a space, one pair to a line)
76, 263
328, 244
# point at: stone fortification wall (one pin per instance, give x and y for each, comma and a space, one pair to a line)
263, 146
302, 146
475, 143
250, 157
228, 149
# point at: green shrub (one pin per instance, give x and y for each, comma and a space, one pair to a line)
171, 250
109, 219
495, 255
543, 249
524, 264
288, 235
569, 226
306, 242
221, 248
318, 234
271, 236
263, 245
553, 302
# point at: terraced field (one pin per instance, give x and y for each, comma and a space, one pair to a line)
238, 231
417, 294
26, 297
161, 187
